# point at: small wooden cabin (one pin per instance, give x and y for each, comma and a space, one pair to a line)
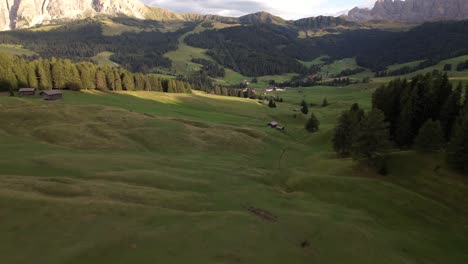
272, 124
51, 95
27, 91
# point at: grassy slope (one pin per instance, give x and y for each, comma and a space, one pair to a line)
146, 177
182, 57
16, 50
103, 59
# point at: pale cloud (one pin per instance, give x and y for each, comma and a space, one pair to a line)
288, 9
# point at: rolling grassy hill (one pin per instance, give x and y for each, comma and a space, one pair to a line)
144, 177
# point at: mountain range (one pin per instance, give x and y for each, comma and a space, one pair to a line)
17, 14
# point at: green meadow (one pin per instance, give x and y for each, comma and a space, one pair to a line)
103, 59
17, 50
144, 177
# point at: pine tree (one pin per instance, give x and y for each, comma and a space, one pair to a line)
57, 73
344, 134
128, 83
313, 124
156, 84
117, 80
345, 130
139, 81
305, 107
430, 137
32, 77
86, 76
101, 83
19, 68
74, 83
47, 80
325, 102
110, 80
371, 138
42, 77
271, 104
171, 86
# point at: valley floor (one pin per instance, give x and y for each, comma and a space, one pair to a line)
143, 177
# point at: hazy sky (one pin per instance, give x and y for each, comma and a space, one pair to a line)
289, 9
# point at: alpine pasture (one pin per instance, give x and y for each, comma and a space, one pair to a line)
146, 177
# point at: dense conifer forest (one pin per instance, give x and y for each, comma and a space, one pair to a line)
45, 74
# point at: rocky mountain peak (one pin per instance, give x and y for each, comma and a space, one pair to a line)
16, 14
414, 11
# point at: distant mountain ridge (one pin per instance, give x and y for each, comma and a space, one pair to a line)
413, 11
18, 14
15, 14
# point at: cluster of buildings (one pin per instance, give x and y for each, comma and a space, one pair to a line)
275, 89
50, 95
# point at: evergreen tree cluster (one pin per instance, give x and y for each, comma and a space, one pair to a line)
45, 74
408, 69
349, 72
409, 104
212, 69
338, 82
229, 91
427, 113
363, 136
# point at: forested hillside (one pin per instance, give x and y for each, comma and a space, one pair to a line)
82, 40
255, 50
271, 49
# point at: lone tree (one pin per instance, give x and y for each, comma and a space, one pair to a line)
305, 108
345, 130
313, 124
372, 136
430, 137
344, 133
325, 102
272, 103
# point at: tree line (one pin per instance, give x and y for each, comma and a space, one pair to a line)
425, 113
45, 74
